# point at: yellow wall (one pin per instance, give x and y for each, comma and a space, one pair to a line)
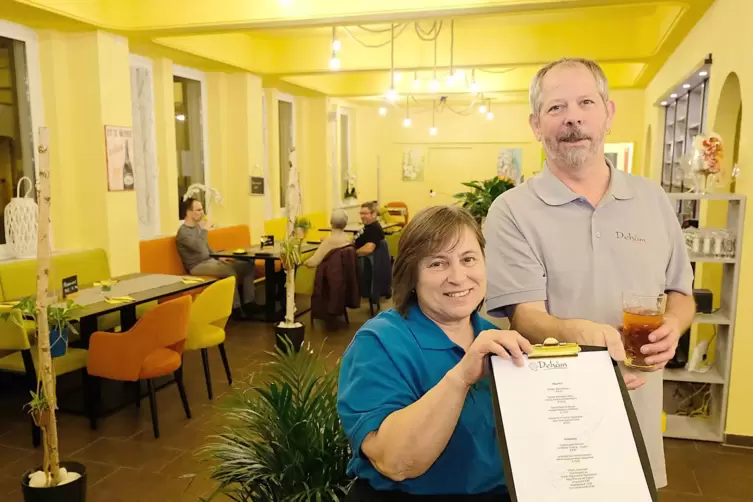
235, 148
86, 85
723, 32
464, 149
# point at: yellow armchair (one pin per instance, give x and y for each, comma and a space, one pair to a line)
210, 312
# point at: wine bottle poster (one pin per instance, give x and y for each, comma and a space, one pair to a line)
119, 146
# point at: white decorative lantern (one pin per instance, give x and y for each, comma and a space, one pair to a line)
21, 216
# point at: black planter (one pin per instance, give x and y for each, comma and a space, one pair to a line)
70, 492
294, 335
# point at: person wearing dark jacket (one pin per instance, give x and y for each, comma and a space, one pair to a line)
336, 285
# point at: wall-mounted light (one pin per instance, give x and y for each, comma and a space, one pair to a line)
180, 117
702, 73
686, 86
382, 111
673, 96
664, 103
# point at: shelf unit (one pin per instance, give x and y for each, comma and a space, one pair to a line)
711, 428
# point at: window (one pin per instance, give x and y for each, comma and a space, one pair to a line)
287, 142
16, 133
344, 151
190, 134
684, 119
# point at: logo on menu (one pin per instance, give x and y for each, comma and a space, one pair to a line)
547, 365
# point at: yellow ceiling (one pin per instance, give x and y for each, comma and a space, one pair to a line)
505, 41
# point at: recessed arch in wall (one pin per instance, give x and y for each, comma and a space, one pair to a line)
727, 122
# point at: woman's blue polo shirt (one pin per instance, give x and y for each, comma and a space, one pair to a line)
390, 364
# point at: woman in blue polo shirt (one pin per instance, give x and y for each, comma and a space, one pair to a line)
413, 399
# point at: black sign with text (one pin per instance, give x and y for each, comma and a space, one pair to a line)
257, 185
70, 285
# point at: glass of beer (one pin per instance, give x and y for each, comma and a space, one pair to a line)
641, 315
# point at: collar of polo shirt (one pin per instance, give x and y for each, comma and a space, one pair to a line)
552, 191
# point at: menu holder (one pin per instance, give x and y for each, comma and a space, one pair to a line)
553, 430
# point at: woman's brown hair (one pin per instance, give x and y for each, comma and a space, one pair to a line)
431, 231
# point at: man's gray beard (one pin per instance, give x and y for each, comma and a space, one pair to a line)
573, 158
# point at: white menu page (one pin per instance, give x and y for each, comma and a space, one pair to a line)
567, 430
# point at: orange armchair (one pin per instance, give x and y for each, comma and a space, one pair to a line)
153, 348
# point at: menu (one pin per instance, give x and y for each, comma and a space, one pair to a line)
566, 431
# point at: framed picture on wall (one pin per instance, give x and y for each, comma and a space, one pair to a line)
509, 164
118, 146
620, 155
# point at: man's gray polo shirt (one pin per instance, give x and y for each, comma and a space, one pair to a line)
546, 243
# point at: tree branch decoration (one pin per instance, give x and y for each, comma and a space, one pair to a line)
290, 247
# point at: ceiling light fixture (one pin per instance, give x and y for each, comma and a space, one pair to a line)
490, 115
482, 108
382, 111
336, 45
702, 73
180, 117
475, 88
334, 62
392, 93
433, 129
406, 120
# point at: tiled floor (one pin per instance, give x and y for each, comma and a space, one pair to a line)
125, 463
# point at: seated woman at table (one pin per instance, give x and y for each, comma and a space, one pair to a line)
413, 398
337, 238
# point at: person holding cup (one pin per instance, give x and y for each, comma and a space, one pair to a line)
566, 249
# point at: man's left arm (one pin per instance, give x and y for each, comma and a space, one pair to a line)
680, 308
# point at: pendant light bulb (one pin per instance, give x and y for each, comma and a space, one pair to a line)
433, 131
382, 111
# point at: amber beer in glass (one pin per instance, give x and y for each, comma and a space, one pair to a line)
641, 315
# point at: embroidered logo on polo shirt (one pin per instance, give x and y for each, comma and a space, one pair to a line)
630, 237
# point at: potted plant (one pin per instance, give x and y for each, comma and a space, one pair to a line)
59, 317
53, 480
285, 441
483, 193
302, 226
290, 256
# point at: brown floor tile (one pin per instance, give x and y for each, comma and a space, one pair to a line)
131, 454
126, 463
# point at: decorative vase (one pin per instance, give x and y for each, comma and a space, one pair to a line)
704, 182
58, 342
21, 223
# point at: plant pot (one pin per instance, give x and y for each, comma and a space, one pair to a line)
58, 342
294, 336
74, 491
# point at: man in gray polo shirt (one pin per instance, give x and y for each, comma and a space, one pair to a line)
563, 247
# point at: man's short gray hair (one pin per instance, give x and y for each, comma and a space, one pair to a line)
601, 80
339, 219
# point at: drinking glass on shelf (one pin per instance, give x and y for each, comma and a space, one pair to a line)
641, 315
728, 244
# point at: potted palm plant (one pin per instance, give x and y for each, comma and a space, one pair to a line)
285, 442
54, 480
290, 256
479, 199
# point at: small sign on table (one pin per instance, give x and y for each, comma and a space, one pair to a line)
70, 285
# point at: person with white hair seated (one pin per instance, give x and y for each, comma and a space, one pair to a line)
338, 238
